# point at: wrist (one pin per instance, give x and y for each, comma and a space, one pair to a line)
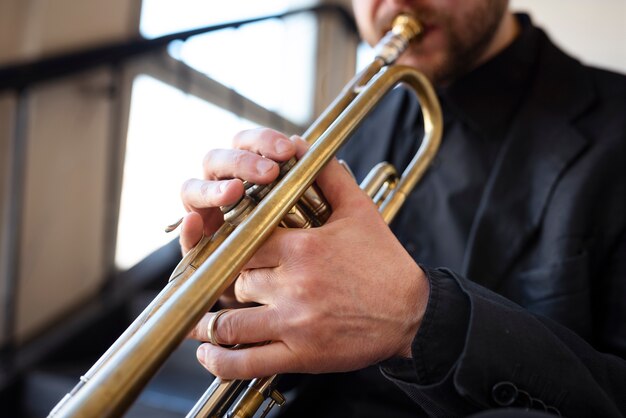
419, 296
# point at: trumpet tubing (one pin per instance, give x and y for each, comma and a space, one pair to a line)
110, 386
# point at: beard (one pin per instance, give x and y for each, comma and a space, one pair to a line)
466, 38
468, 44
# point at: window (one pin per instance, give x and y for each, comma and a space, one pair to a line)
169, 133
270, 63
365, 54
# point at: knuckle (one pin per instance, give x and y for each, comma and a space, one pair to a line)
239, 138
307, 321
214, 363
226, 329
195, 332
240, 158
199, 331
207, 160
242, 285
307, 287
208, 192
305, 243
210, 163
268, 279
301, 287
303, 321
301, 244
266, 135
204, 191
186, 187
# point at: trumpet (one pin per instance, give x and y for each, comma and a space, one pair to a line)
116, 379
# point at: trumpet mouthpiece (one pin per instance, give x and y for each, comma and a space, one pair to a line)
406, 26
403, 30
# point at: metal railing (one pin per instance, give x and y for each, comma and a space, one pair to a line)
21, 75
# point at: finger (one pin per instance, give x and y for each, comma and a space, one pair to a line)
267, 142
301, 145
239, 326
275, 249
258, 285
247, 363
336, 182
198, 194
191, 231
340, 189
233, 163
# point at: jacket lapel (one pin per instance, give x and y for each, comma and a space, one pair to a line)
541, 145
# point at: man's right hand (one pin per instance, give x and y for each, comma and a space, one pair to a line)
339, 297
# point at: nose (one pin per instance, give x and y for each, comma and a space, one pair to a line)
401, 3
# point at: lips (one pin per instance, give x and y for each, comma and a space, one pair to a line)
389, 17
426, 29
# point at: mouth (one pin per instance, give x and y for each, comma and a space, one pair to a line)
426, 29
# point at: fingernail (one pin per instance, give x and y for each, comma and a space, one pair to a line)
282, 146
264, 165
221, 187
201, 353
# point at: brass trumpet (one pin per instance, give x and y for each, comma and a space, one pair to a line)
116, 379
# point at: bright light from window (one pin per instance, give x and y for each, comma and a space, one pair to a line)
270, 62
365, 54
160, 17
169, 134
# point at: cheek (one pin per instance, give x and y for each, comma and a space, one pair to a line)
367, 32
365, 15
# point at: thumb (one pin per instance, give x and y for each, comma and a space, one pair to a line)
340, 188
191, 231
335, 182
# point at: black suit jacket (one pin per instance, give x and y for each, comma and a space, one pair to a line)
545, 266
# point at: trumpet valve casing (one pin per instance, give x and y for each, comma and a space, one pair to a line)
404, 29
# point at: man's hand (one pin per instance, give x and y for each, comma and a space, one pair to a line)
335, 298
252, 159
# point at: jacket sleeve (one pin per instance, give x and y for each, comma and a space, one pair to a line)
476, 350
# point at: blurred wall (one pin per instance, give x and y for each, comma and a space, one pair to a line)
32, 28
592, 31
55, 238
